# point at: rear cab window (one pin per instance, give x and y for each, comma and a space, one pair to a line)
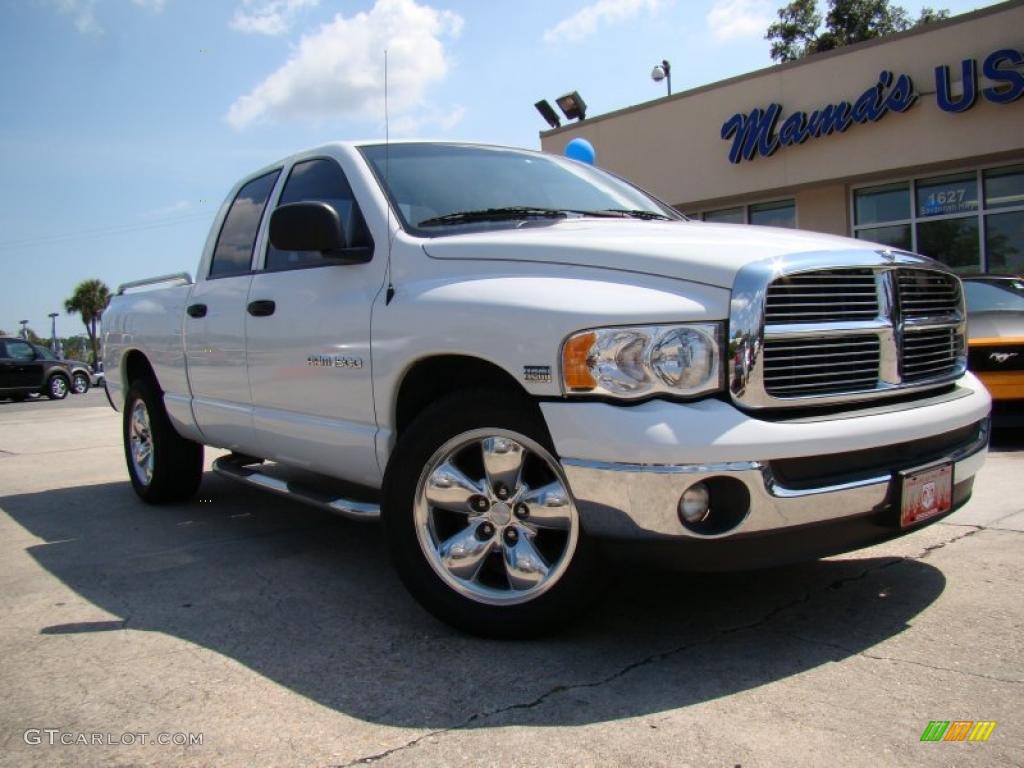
233, 252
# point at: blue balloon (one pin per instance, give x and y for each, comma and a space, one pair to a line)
582, 150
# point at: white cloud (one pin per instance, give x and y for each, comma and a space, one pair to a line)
585, 21
435, 122
339, 70
268, 17
732, 19
174, 209
83, 12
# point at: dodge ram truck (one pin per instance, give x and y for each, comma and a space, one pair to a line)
524, 366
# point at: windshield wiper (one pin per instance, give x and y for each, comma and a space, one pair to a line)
494, 214
637, 213
515, 212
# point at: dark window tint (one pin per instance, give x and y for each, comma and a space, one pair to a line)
20, 350
44, 353
725, 216
779, 214
1004, 187
1004, 238
233, 253
896, 235
321, 181
890, 202
951, 241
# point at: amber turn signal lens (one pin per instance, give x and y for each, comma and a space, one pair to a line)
576, 373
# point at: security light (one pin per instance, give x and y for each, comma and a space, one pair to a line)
661, 72
548, 113
573, 106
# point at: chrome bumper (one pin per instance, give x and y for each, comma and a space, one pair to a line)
637, 501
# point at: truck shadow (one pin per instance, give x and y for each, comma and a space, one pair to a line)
310, 602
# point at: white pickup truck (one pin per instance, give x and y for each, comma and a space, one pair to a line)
525, 365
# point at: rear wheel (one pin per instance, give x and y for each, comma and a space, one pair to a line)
164, 466
79, 383
480, 522
57, 387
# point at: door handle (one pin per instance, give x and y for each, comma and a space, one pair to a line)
262, 308
196, 310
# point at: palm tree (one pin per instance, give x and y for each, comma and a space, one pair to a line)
89, 300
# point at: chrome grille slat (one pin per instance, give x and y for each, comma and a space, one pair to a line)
838, 334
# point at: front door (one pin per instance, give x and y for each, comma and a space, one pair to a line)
24, 366
308, 342
215, 324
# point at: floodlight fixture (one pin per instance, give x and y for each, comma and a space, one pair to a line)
548, 113
573, 106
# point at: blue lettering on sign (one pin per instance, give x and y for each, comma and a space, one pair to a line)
969, 81
1011, 83
754, 134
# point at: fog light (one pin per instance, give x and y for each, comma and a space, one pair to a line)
694, 503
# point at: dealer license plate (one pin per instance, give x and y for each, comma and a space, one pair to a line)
926, 494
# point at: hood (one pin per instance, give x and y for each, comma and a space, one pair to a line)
706, 253
1005, 324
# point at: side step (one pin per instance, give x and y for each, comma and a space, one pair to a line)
250, 470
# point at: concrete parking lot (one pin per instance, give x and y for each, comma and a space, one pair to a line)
280, 636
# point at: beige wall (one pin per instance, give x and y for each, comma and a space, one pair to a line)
673, 147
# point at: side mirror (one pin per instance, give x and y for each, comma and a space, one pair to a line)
307, 227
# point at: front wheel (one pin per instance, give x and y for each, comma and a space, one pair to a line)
163, 466
80, 383
480, 522
57, 387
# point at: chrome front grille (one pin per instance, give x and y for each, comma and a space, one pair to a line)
925, 354
825, 329
926, 294
847, 294
809, 367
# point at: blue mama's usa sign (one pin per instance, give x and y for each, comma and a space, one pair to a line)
759, 131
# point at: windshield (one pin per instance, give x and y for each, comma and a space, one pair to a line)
44, 352
995, 295
439, 189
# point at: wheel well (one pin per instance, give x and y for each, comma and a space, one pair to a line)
56, 374
136, 366
434, 377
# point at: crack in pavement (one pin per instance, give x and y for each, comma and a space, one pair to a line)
623, 671
852, 652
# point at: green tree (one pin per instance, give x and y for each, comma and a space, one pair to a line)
799, 31
89, 300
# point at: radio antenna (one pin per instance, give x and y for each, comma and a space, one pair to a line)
390, 293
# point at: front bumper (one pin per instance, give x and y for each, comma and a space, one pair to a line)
628, 466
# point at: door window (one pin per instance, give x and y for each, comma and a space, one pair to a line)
321, 181
233, 254
20, 351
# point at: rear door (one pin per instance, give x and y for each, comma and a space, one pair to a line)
214, 323
308, 341
26, 368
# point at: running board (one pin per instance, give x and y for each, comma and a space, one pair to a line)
247, 469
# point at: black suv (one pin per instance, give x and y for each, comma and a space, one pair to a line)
25, 370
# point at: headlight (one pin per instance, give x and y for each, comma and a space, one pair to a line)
634, 362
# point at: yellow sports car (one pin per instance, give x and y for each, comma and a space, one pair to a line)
995, 342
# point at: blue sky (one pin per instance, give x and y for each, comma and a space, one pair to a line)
125, 122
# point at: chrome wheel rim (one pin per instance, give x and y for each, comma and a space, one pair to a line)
58, 386
494, 517
81, 385
141, 442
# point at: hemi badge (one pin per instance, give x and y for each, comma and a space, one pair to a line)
538, 374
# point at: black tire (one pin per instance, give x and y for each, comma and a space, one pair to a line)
57, 386
437, 427
177, 463
79, 383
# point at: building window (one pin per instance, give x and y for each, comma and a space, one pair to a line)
779, 213
971, 221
